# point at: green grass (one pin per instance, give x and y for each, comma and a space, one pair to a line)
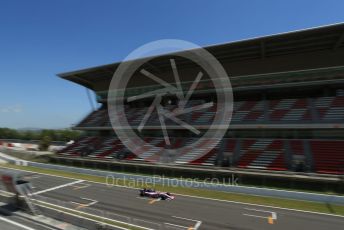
308, 190
276, 202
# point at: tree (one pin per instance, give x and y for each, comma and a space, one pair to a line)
44, 143
54, 135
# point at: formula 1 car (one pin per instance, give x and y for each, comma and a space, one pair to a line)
156, 195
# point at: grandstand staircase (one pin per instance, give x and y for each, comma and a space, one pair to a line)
336, 110
189, 156
103, 148
185, 156
294, 115
118, 149
260, 158
271, 155
264, 160
153, 150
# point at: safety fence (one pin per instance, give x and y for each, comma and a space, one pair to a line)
305, 196
278, 193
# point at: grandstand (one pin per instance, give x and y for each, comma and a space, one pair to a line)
288, 106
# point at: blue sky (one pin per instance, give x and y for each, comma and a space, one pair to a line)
40, 38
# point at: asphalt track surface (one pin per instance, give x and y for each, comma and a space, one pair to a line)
18, 223
184, 212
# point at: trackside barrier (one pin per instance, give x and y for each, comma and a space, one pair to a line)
305, 196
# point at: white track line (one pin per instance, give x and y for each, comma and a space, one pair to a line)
260, 205
195, 197
92, 201
197, 225
273, 214
183, 218
16, 223
263, 217
57, 187
81, 186
81, 217
81, 205
88, 214
257, 210
176, 225
144, 176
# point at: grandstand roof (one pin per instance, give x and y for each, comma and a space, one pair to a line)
329, 37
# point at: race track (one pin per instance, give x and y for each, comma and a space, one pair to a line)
184, 212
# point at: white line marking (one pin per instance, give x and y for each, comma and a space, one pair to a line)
16, 224
126, 174
57, 187
73, 202
147, 222
82, 205
81, 186
257, 210
37, 223
81, 217
87, 199
260, 205
272, 216
195, 197
185, 218
197, 225
175, 225
263, 217
86, 213
91, 203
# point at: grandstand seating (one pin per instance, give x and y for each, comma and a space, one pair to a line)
328, 156
266, 154
283, 111
330, 108
325, 156
262, 154
78, 147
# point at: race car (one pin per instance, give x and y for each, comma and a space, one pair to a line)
156, 195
